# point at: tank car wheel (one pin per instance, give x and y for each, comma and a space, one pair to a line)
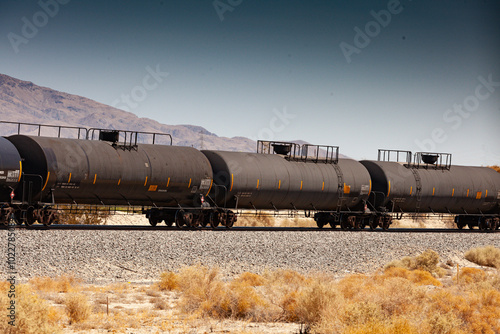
332, 223
168, 222
30, 216
373, 223
386, 222
230, 219
213, 219
495, 224
154, 221
179, 219
483, 224
187, 217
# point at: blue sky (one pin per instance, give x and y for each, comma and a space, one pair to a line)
414, 75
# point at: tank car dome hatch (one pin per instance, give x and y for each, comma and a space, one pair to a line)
283, 149
110, 136
430, 158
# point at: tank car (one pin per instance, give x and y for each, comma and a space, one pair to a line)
106, 172
285, 176
428, 183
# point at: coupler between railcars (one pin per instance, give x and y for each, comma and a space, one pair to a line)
191, 217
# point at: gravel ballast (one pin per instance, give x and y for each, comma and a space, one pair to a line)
140, 256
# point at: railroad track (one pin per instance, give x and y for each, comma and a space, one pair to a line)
237, 228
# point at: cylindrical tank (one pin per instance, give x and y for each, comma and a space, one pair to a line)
10, 169
458, 190
95, 172
269, 181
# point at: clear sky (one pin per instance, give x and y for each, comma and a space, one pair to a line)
421, 75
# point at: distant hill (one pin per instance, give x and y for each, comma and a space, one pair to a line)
23, 101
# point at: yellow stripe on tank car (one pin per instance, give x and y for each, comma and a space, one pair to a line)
433, 191
168, 182
95, 178
389, 191
468, 192
46, 181
232, 182
411, 190
146, 181
300, 185
119, 181
258, 181
20, 171
323, 186
209, 188
279, 184
486, 194
189, 185
453, 192
370, 190
69, 178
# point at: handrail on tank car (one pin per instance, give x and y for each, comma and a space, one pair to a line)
295, 152
385, 155
331, 153
432, 160
82, 132
130, 138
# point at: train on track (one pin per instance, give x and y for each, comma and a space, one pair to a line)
192, 188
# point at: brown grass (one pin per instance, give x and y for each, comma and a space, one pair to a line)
77, 307
399, 299
62, 283
427, 261
484, 256
168, 281
32, 313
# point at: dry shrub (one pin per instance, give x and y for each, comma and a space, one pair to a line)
471, 275
250, 279
484, 256
475, 311
32, 314
204, 292
168, 281
62, 283
77, 307
418, 277
313, 301
427, 261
